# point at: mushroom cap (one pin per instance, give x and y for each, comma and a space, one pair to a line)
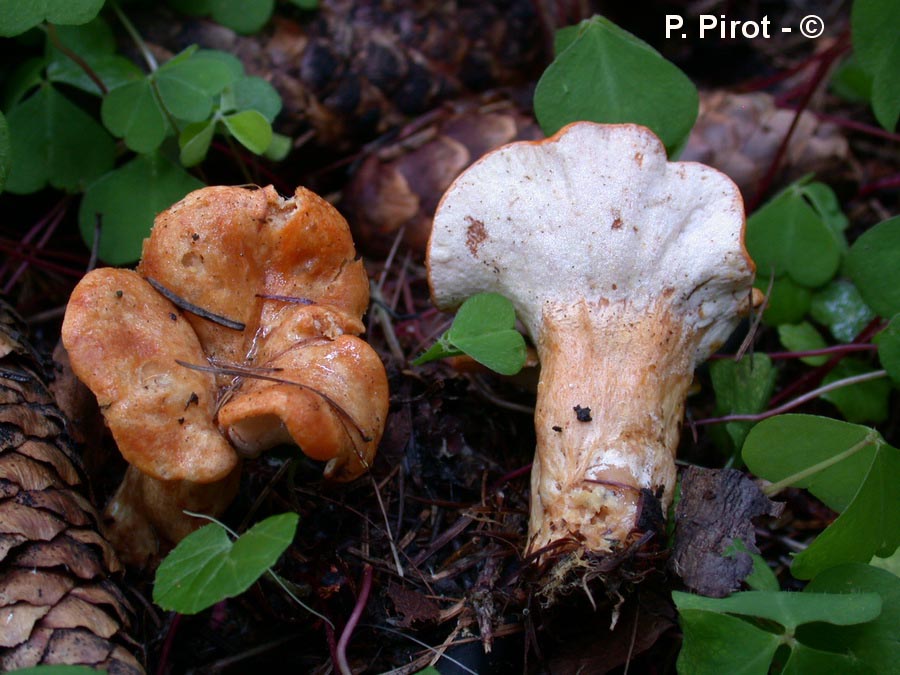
286, 269
123, 339
595, 213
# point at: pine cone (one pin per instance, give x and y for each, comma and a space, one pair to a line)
400, 183
58, 604
357, 68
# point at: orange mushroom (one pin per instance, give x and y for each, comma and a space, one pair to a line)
238, 332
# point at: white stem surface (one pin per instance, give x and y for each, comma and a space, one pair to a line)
631, 366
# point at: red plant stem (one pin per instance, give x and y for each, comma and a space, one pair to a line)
41, 262
813, 377
510, 476
51, 224
889, 183
828, 57
163, 667
790, 405
361, 600
853, 125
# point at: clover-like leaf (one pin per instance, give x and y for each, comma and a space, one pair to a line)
874, 26
133, 112
207, 567
95, 44
242, 16
255, 93
17, 16
788, 236
54, 141
742, 387
888, 342
127, 200
862, 402
872, 265
874, 642
714, 644
787, 302
840, 307
717, 641
279, 148
194, 142
788, 609
849, 467
187, 83
803, 337
251, 130
484, 328
594, 78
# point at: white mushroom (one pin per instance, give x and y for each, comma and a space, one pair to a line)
627, 271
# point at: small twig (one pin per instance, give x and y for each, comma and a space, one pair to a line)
181, 303
240, 371
286, 298
361, 600
434, 650
387, 528
800, 400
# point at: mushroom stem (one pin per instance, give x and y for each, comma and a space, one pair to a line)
631, 366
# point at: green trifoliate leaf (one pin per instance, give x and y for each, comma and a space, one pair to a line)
194, 142
825, 203
4, 151
840, 307
874, 642
788, 236
187, 83
127, 200
242, 16
761, 578
207, 567
851, 82
888, 342
742, 387
95, 43
717, 641
133, 113
804, 660
875, 25
484, 329
788, 302
605, 74
847, 466
715, 644
872, 265
251, 130
803, 337
858, 403
17, 16
790, 610
254, 93
279, 148
54, 141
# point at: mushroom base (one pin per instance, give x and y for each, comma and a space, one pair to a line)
614, 378
145, 511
